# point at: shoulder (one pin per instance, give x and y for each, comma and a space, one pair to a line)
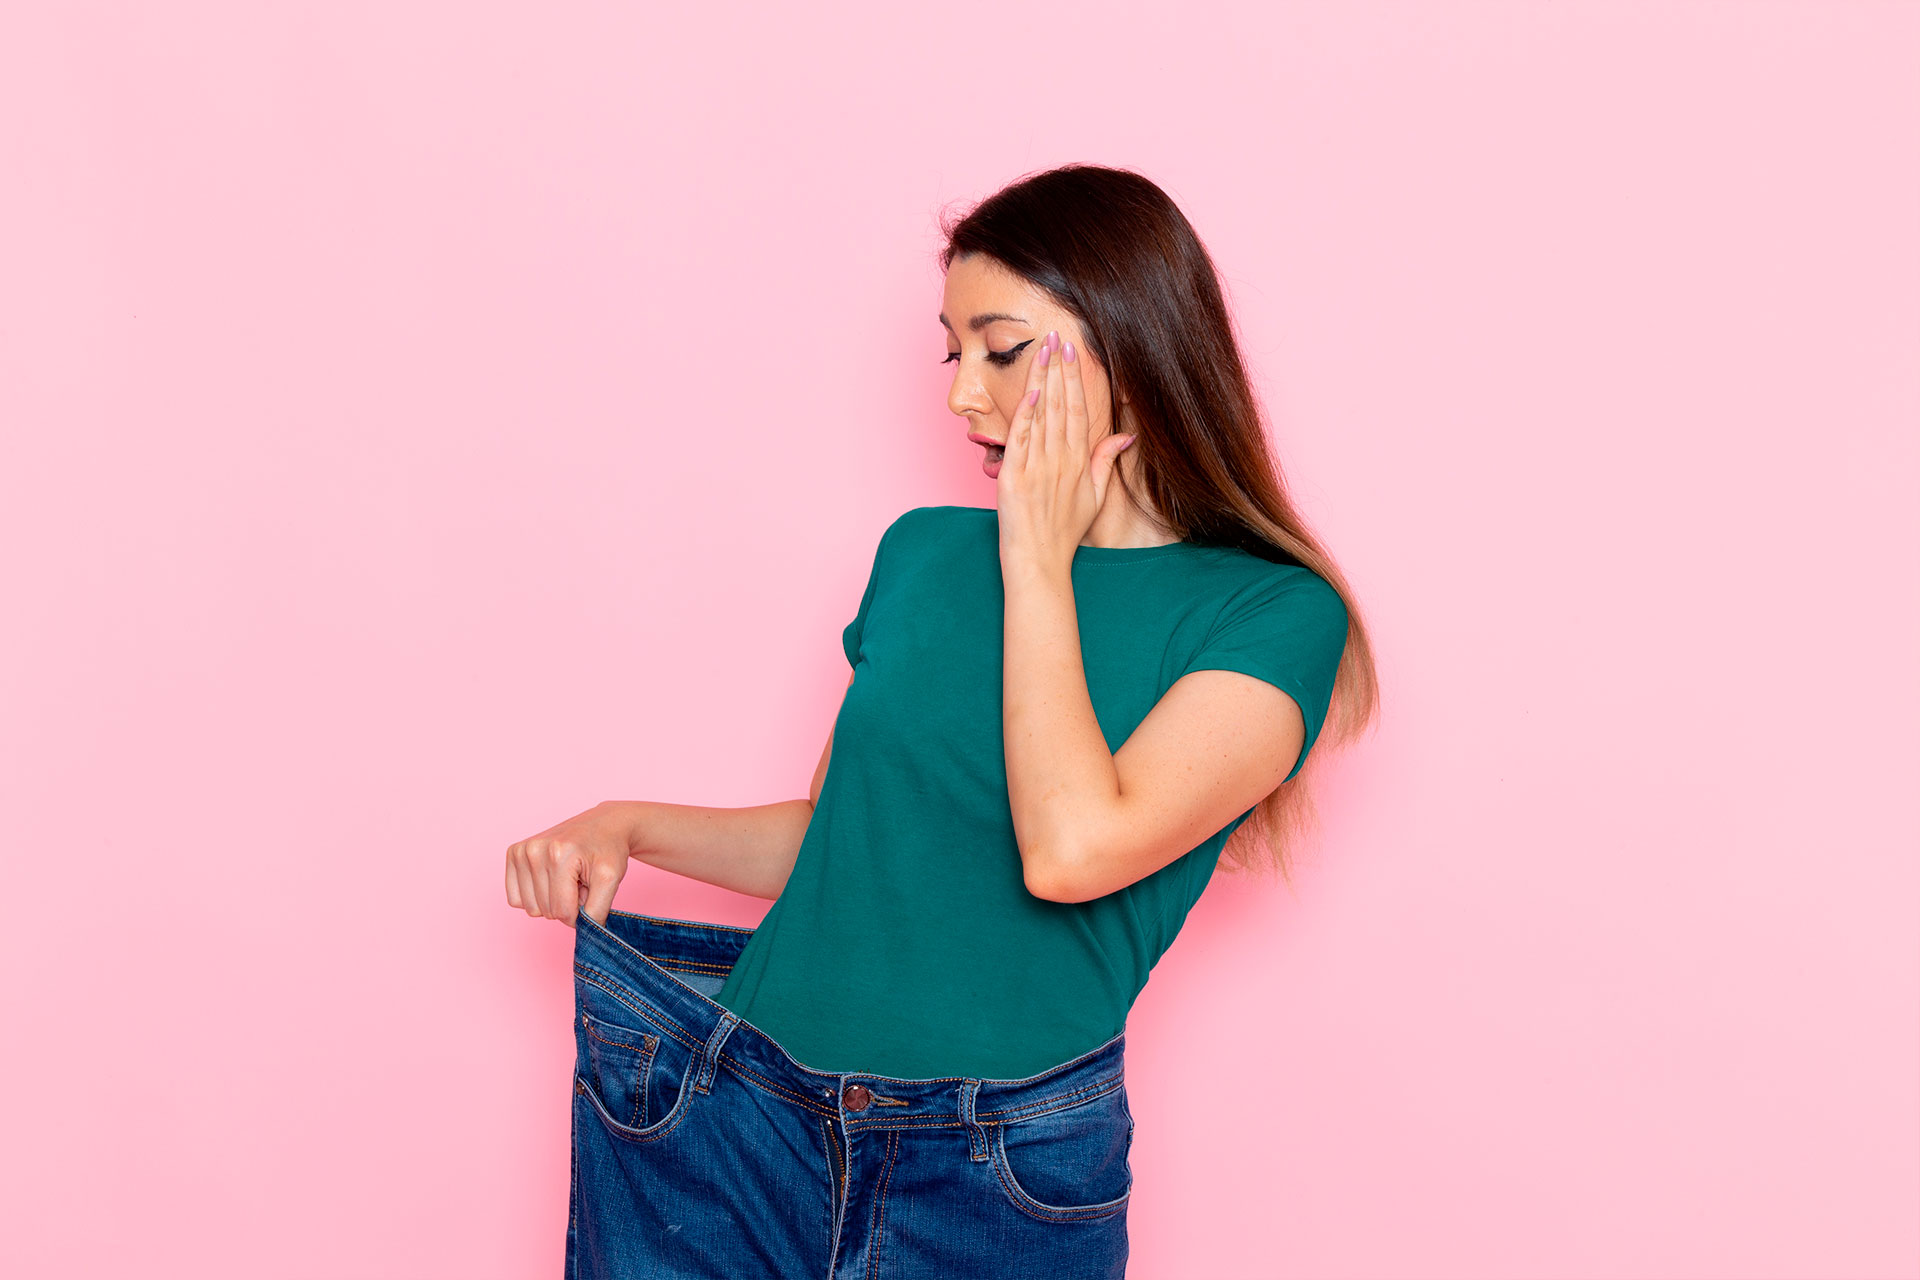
943, 518
1293, 595
940, 524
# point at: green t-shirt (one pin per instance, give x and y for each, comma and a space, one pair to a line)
906, 942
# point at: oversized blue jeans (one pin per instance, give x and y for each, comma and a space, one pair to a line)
701, 1148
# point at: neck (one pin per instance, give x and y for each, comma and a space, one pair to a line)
1122, 522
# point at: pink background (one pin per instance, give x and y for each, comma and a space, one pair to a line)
422, 421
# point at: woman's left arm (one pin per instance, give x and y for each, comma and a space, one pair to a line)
1089, 821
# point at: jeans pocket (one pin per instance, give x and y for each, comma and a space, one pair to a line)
1071, 1164
618, 1060
636, 1076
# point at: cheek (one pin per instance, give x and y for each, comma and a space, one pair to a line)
1097, 410
1009, 396
1094, 386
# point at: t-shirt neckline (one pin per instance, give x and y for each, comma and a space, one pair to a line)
1112, 555
1084, 554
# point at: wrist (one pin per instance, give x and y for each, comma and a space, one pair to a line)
626, 817
1023, 568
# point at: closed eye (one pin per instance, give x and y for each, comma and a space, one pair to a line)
1001, 358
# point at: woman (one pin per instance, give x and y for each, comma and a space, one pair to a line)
1061, 708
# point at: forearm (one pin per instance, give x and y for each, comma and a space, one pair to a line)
749, 850
1061, 779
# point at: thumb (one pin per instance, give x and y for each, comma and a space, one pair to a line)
1105, 455
600, 890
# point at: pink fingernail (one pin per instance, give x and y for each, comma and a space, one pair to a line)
1044, 349
1069, 353
1033, 395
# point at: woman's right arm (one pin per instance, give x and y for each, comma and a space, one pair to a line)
749, 850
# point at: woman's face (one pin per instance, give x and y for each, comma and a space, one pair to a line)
994, 320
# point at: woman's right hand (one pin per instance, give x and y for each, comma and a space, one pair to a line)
587, 855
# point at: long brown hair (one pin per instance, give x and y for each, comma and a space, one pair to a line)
1114, 250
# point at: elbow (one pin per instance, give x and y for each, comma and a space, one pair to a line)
1053, 876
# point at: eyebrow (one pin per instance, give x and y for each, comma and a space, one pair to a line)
980, 322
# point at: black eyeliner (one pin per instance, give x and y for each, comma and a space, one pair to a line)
1002, 358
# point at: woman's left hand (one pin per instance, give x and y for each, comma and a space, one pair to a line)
1052, 481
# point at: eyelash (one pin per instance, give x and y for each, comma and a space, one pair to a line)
1001, 358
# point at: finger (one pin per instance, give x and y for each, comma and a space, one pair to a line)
1046, 425
1035, 420
1036, 368
1036, 381
1078, 428
513, 881
1106, 456
1037, 446
565, 887
600, 896
1019, 433
540, 863
529, 901
1055, 399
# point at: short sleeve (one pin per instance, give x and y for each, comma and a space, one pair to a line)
1289, 630
850, 634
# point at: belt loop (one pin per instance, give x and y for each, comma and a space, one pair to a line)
710, 1055
976, 1132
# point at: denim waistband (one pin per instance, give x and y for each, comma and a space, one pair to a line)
654, 964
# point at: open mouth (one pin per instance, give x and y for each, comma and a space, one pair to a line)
991, 453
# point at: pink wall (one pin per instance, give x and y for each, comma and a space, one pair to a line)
422, 421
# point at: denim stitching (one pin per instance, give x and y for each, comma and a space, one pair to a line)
710, 1051
1050, 1213
879, 1224
1047, 1106
695, 924
691, 966
837, 1181
740, 1068
976, 1135
1060, 1101
826, 1149
613, 987
627, 946
626, 1133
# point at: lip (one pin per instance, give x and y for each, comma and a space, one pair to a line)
988, 463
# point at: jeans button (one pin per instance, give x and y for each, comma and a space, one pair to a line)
856, 1097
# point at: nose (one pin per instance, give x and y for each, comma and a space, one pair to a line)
967, 398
